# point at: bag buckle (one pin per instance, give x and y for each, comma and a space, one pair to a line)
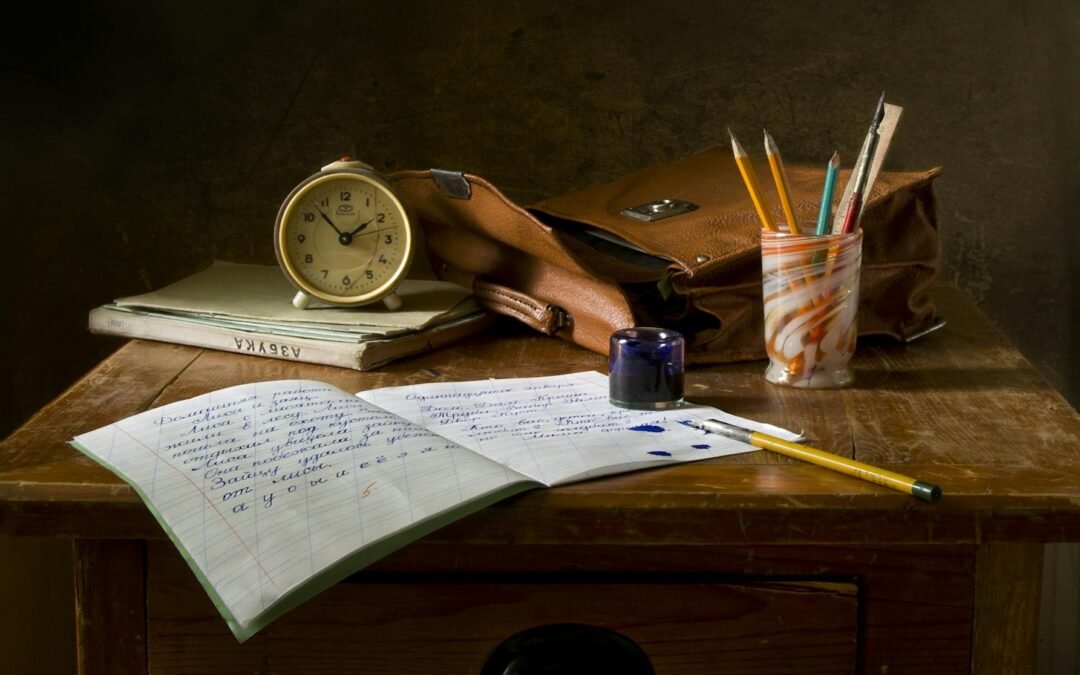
452, 184
659, 209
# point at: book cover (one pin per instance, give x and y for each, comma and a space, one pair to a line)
361, 352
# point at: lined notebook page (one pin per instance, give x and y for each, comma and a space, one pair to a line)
273, 491
560, 429
262, 486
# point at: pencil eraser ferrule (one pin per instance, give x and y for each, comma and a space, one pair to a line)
928, 492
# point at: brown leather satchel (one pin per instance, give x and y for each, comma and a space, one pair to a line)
673, 245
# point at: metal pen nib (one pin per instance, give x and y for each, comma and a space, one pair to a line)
897, 481
723, 429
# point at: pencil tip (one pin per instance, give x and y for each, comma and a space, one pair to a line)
735, 146
835, 161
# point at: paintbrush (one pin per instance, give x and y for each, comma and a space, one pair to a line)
848, 217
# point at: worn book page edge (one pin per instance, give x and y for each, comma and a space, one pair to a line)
265, 295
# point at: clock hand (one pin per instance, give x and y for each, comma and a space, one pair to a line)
344, 238
360, 227
327, 219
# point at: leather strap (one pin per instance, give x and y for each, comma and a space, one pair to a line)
540, 316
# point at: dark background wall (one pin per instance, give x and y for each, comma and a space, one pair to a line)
140, 140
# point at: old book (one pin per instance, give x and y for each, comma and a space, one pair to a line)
247, 309
362, 352
274, 491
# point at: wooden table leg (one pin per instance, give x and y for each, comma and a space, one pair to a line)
110, 606
1008, 582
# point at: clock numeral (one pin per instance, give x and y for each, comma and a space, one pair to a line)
301, 238
380, 217
346, 280
346, 196
367, 201
383, 259
309, 217
389, 239
325, 202
308, 259
369, 274
324, 273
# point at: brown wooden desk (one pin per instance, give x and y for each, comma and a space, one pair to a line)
746, 564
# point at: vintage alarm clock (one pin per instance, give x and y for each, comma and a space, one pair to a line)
343, 236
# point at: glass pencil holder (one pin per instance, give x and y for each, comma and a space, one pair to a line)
645, 368
810, 292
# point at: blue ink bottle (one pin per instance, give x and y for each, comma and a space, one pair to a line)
645, 368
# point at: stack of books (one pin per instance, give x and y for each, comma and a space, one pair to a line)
247, 309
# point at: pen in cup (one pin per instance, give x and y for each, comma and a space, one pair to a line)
847, 218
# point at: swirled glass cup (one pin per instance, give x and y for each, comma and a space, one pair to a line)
810, 289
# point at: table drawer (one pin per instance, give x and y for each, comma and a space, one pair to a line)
448, 624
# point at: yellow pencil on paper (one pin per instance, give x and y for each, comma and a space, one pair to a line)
922, 490
776, 164
752, 185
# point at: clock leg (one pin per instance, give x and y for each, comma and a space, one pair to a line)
392, 301
301, 300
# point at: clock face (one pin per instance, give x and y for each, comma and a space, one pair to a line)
344, 238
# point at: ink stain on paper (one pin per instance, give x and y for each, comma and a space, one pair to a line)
660, 453
650, 428
701, 446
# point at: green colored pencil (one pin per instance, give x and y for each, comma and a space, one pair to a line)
824, 219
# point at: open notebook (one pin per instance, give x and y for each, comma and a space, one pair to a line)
273, 491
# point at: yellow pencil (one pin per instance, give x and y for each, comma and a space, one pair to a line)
925, 491
752, 186
780, 178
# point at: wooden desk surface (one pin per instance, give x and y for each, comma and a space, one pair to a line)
960, 408
839, 575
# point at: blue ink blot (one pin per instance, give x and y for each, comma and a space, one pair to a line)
651, 428
702, 446
660, 453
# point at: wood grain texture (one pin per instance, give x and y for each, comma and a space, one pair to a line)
1059, 615
110, 607
37, 631
126, 383
916, 601
1008, 582
443, 624
960, 408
